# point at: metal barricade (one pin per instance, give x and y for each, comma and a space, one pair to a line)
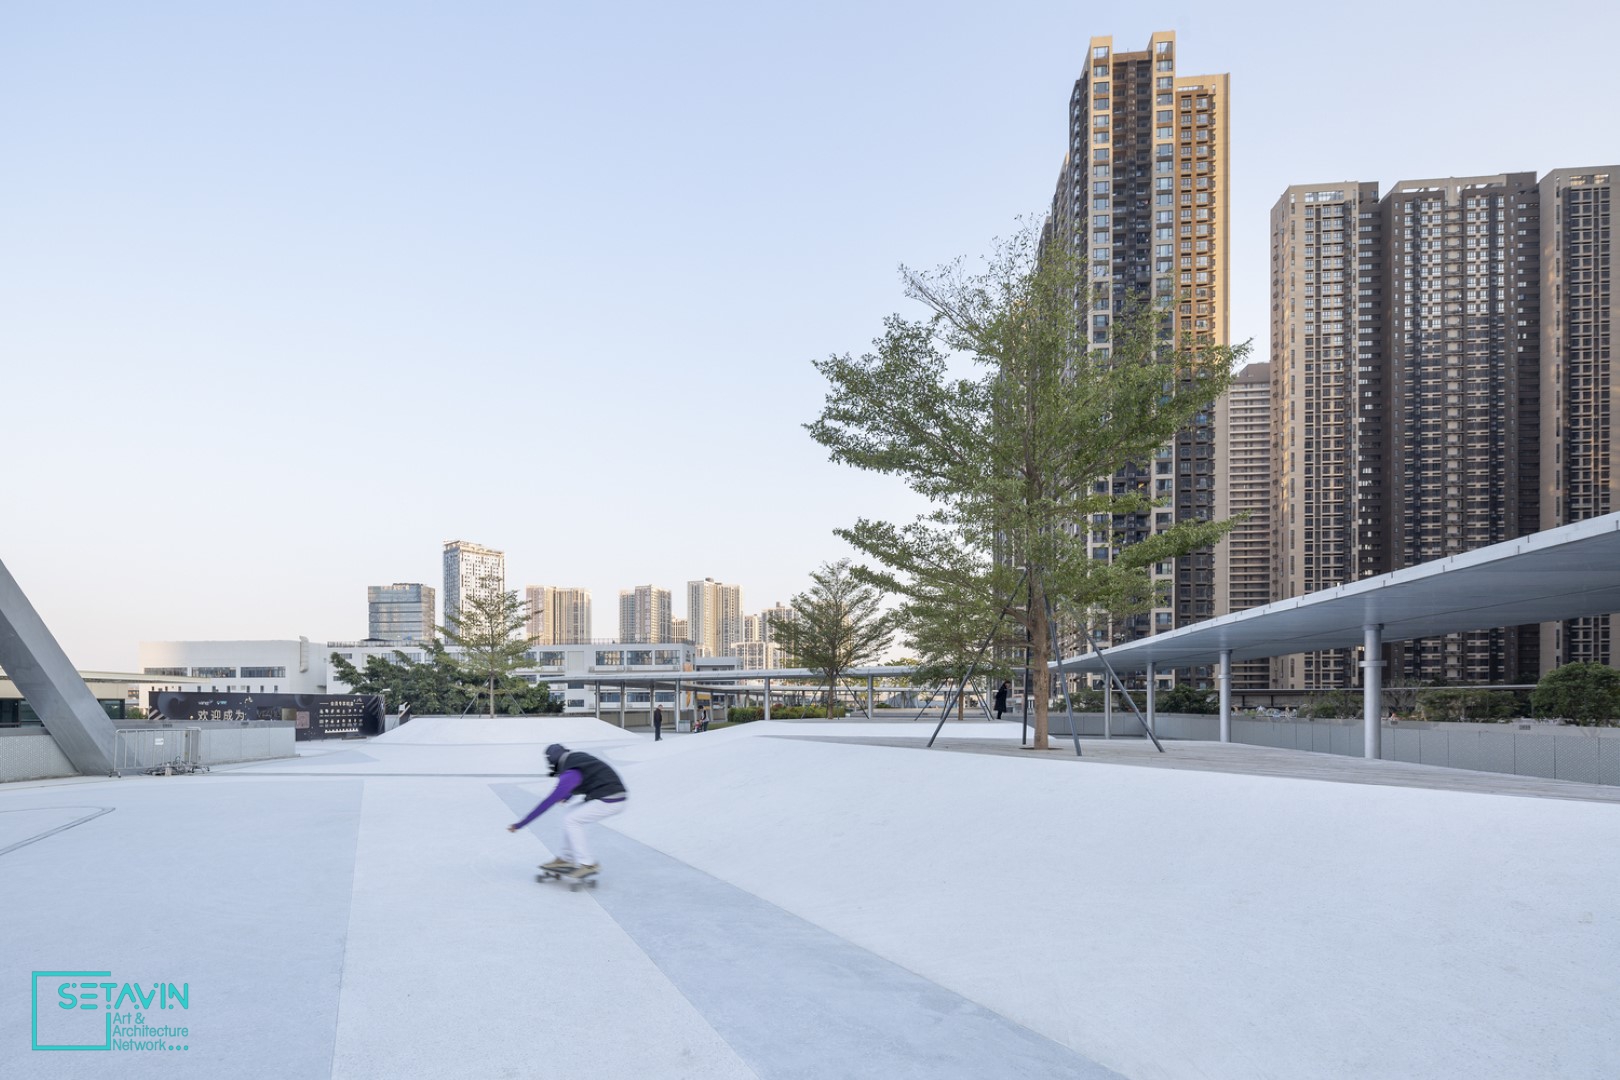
162, 751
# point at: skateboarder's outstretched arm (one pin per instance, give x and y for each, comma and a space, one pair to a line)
566, 783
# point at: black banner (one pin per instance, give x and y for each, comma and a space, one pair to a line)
317, 716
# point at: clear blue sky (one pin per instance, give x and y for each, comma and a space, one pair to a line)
291, 293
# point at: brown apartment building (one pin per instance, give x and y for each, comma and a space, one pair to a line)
1143, 198
1461, 401
1329, 421
1580, 477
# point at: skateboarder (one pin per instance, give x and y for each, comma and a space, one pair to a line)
578, 773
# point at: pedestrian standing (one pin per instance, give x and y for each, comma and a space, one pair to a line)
658, 723
1001, 697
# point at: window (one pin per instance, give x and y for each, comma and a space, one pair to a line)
264, 673
213, 673
172, 672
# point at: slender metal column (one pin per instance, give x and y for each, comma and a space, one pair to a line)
869, 697
1152, 716
1226, 695
767, 713
1372, 687
1108, 710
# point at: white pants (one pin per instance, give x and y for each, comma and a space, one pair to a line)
575, 848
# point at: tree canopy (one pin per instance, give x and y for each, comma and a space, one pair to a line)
438, 685
489, 632
1017, 459
839, 623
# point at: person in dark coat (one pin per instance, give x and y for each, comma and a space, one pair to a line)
1001, 697
578, 773
658, 722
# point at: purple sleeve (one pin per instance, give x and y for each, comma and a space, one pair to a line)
566, 783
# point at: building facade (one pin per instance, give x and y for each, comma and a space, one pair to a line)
558, 616
1580, 308
714, 616
1143, 199
1243, 560
1329, 413
1462, 343
645, 614
253, 667
1463, 401
401, 612
470, 569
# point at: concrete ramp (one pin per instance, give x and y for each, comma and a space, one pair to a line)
36, 663
508, 730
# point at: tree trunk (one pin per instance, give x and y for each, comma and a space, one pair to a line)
492, 698
1040, 653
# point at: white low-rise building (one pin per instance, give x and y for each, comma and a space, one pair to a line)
573, 672
253, 667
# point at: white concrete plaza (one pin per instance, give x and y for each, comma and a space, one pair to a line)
807, 907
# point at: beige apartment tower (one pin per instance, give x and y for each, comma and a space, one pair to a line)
1243, 454
1143, 198
558, 616
644, 614
714, 616
1329, 426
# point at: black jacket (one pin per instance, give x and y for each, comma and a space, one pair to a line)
597, 780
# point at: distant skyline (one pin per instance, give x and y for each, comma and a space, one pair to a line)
292, 294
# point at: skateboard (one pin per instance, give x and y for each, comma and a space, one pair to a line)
558, 875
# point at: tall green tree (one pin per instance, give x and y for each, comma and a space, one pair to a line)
1017, 459
489, 631
839, 624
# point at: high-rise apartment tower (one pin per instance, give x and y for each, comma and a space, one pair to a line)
714, 616
1143, 199
558, 616
470, 570
1243, 559
1580, 418
644, 614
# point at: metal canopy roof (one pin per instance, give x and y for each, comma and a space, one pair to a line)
725, 675
1562, 573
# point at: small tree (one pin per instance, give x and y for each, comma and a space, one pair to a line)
1580, 693
840, 624
489, 632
